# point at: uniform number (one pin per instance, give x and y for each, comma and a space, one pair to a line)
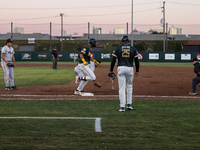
125, 52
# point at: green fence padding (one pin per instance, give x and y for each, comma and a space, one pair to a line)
106, 56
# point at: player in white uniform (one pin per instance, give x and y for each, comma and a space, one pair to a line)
125, 72
79, 74
7, 56
88, 74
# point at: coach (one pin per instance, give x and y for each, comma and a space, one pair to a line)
125, 54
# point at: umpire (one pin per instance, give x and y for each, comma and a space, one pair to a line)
196, 80
55, 58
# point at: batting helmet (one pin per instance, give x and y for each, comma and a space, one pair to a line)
125, 38
93, 42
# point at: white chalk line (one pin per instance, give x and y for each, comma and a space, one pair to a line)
60, 97
97, 120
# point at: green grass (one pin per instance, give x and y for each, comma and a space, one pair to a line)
44, 62
31, 76
167, 64
176, 64
153, 124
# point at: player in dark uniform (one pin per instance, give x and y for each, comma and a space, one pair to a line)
125, 72
196, 80
88, 74
55, 58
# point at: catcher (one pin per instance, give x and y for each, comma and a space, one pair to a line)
88, 74
196, 80
7, 56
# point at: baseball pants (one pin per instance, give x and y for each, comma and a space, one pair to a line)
8, 74
195, 81
54, 66
87, 73
125, 78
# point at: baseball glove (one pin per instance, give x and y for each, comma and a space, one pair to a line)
112, 75
10, 65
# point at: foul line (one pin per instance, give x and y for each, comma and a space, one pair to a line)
97, 120
53, 97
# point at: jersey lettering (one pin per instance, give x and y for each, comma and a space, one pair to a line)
125, 52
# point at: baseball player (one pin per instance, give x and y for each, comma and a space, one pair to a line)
7, 56
88, 74
125, 72
196, 80
78, 72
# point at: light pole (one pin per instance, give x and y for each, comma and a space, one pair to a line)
163, 26
61, 31
132, 24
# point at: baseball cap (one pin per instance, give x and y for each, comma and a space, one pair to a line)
9, 41
194, 59
55, 48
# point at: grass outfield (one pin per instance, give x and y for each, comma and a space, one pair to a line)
168, 64
31, 76
153, 124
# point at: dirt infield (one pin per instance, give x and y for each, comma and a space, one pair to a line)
154, 82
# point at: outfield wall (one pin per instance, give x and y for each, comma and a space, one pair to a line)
105, 56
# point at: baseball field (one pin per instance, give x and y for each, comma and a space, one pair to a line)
45, 114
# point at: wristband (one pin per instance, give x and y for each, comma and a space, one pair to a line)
83, 60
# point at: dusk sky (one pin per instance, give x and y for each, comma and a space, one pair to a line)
35, 16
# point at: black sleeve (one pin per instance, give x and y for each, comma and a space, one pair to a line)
112, 63
137, 64
198, 68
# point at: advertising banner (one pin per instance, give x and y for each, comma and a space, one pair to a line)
154, 56
185, 56
42, 56
31, 40
198, 56
169, 56
105, 56
26, 56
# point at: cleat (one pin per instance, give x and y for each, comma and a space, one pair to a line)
76, 80
122, 109
97, 84
8, 88
77, 92
14, 88
192, 93
129, 107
